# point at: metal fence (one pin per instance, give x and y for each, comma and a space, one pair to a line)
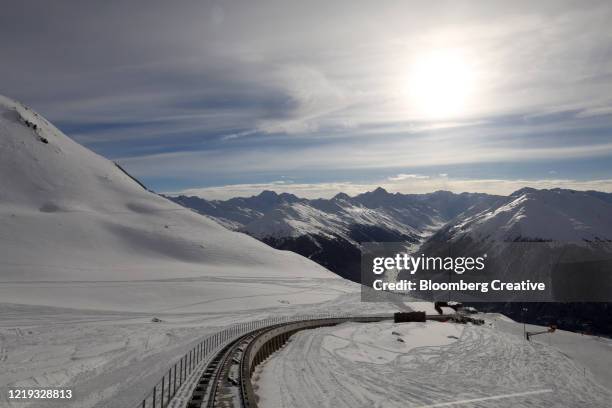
178, 373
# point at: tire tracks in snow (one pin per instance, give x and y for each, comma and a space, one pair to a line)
480, 366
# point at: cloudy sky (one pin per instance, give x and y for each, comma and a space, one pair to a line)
224, 98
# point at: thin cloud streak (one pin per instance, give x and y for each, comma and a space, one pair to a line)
340, 157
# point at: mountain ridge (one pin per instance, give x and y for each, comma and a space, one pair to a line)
335, 228
324, 229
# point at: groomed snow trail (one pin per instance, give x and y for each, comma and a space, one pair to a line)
422, 365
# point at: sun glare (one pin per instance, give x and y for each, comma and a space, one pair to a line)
440, 84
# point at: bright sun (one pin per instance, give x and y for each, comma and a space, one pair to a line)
440, 84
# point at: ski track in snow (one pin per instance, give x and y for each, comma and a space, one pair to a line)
113, 358
358, 365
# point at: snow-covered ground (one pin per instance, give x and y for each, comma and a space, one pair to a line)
112, 359
436, 365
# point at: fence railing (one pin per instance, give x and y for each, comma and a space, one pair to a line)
178, 373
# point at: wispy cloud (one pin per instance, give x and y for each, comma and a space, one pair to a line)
595, 111
403, 176
396, 154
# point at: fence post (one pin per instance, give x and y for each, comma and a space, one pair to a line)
169, 380
161, 396
174, 389
154, 395
181, 372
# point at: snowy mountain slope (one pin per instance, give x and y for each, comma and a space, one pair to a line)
330, 231
529, 214
531, 231
296, 219
443, 204
285, 215
69, 214
607, 197
542, 235
237, 212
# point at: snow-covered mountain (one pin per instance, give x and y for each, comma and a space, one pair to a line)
237, 212
540, 215
330, 231
531, 231
528, 235
67, 213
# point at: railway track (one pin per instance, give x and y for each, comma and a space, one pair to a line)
226, 379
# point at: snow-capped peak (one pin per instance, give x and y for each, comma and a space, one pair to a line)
530, 214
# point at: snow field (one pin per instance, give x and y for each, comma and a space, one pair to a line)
434, 364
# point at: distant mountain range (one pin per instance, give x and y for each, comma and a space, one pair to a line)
330, 231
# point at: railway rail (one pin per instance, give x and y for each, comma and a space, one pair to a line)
217, 371
226, 380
